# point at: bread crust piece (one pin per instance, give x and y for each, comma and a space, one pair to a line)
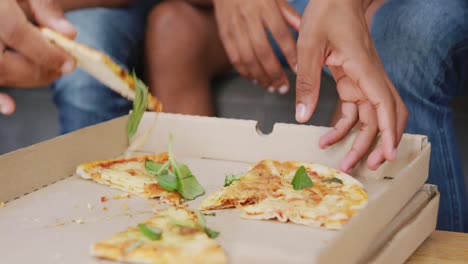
101, 66
130, 175
178, 244
265, 192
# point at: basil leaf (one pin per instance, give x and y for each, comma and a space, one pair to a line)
209, 214
190, 188
133, 246
168, 180
151, 233
229, 179
201, 220
140, 104
183, 170
212, 233
153, 167
301, 179
333, 180
182, 224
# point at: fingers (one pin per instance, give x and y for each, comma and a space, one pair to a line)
248, 61
267, 57
373, 85
290, 14
7, 104
49, 14
364, 138
18, 34
18, 71
310, 62
342, 127
376, 158
282, 35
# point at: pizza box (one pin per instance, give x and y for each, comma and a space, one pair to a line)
52, 216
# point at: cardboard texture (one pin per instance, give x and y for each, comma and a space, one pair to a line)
51, 205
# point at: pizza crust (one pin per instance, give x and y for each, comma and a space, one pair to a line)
101, 66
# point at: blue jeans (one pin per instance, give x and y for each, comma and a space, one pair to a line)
83, 101
423, 45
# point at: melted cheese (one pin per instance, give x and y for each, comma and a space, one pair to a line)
269, 194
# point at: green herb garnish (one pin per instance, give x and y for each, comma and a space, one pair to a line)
133, 246
173, 176
301, 179
182, 224
140, 104
209, 214
149, 232
332, 180
210, 232
229, 179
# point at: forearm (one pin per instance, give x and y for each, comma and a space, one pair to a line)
76, 4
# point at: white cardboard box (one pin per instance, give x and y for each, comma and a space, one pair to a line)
41, 222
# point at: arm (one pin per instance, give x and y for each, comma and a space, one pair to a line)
335, 33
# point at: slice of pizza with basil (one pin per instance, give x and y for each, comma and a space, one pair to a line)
174, 235
303, 193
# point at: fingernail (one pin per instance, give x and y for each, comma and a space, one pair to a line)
394, 153
64, 26
295, 68
300, 112
283, 89
271, 89
68, 67
3, 110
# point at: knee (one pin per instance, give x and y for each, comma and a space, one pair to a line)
82, 91
172, 24
429, 28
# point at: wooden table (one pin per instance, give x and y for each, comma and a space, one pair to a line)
442, 247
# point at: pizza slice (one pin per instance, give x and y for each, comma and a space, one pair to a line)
101, 66
270, 191
130, 175
174, 235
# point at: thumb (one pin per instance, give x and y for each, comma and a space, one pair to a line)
290, 14
309, 71
49, 14
7, 104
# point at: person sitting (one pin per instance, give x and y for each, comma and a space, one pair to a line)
384, 57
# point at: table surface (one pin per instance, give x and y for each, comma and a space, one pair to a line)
442, 247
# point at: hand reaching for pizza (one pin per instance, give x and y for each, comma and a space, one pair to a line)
242, 25
335, 33
27, 59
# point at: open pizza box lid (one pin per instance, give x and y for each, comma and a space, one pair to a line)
52, 216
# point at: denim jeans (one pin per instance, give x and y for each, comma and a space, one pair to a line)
423, 45
83, 101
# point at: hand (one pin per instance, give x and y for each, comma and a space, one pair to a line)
7, 104
242, 25
335, 33
26, 57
